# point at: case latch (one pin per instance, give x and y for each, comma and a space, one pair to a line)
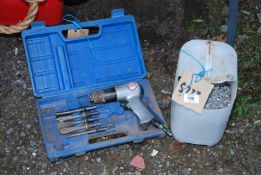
117, 13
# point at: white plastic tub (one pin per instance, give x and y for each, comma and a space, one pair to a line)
208, 127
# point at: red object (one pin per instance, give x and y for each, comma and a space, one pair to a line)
138, 162
13, 11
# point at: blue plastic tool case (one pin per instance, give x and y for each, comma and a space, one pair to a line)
64, 71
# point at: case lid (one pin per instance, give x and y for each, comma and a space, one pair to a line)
109, 55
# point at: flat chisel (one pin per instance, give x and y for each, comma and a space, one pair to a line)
75, 110
71, 123
76, 128
70, 117
89, 132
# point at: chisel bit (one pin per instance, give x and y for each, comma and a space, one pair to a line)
89, 131
161, 126
75, 110
71, 123
70, 117
76, 128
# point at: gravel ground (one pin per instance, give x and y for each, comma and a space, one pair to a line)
162, 34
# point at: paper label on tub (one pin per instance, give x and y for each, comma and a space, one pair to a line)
191, 98
191, 94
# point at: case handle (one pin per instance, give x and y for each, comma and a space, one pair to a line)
117, 13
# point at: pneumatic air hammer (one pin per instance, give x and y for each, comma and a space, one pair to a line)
130, 93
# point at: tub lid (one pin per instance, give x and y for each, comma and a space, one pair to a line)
218, 58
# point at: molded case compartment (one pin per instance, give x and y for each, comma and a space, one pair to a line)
120, 120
